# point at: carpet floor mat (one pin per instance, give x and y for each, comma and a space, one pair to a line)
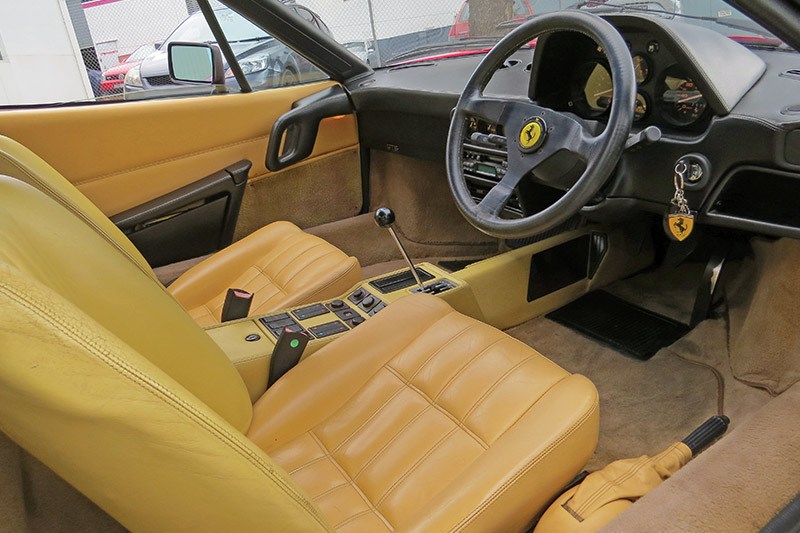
619, 324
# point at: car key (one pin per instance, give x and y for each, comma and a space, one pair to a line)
679, 220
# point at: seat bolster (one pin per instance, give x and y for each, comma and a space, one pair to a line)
207, 279
540, 454
123, 432
326, 380
20, 163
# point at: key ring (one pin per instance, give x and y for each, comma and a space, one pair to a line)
680, 172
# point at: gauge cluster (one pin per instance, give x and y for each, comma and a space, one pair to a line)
666, 96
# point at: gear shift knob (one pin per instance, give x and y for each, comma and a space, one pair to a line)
384, 217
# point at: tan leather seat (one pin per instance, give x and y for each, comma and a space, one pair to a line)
283, 265
419, 419
280, 264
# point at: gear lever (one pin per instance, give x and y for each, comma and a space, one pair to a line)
384, 217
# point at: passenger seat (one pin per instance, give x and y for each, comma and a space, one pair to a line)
281, 264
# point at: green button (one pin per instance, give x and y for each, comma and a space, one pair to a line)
294, 343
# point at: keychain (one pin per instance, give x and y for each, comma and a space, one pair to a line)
679, 220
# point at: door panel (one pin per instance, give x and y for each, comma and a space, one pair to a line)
126, 154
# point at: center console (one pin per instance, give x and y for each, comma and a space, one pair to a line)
250, 342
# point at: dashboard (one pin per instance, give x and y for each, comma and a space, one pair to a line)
733, 111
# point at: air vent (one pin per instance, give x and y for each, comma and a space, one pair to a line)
791, 110
528, 67
511, 63
793, 73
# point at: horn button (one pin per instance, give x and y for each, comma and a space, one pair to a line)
532, 135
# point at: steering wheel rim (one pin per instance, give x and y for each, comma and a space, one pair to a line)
557, 131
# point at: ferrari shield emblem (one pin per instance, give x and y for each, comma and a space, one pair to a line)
532, 135
679, 226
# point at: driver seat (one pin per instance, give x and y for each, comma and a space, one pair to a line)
420, 419
281, 264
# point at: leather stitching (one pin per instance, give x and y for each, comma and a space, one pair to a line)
298, 256
466, 521
442, 410
171, 160
396, 436
464, 368
494, 385
351, 481
610, 484
312, 462
64, 202
371, 417
305, 267
416, 465
331, 490
431, 356
164, 394
401, 350
333, 281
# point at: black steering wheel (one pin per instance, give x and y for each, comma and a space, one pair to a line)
534, 133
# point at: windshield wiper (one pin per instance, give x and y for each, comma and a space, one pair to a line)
467, 43
251, 39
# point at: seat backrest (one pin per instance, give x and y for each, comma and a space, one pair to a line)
19, 162
106, 380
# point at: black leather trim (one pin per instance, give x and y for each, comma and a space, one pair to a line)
194, 220
301, 125
787, 521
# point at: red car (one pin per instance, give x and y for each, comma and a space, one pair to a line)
460, 29
113, 78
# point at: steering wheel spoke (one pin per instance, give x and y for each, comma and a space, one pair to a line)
485, 108
499, 195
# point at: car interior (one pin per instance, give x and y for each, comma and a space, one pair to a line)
546, 287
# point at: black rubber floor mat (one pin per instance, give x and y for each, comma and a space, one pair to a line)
457, 264
620, 324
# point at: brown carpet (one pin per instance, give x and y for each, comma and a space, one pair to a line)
428, 222
307, 194
737, 485
644, 405
765, 305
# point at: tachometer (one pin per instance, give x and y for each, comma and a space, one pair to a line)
640, 109
592, 89
681, 102
641, 68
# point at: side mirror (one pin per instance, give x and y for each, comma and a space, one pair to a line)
197, 63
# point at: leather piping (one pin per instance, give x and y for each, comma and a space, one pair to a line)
487, 503
43, 186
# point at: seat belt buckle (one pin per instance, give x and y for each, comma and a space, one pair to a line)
237, 304
287, 353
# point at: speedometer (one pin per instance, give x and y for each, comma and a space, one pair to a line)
592, 89
681, 102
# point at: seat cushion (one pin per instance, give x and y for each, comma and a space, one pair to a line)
280, 264
425, 419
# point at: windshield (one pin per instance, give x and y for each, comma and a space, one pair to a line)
419, 29
236, 28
